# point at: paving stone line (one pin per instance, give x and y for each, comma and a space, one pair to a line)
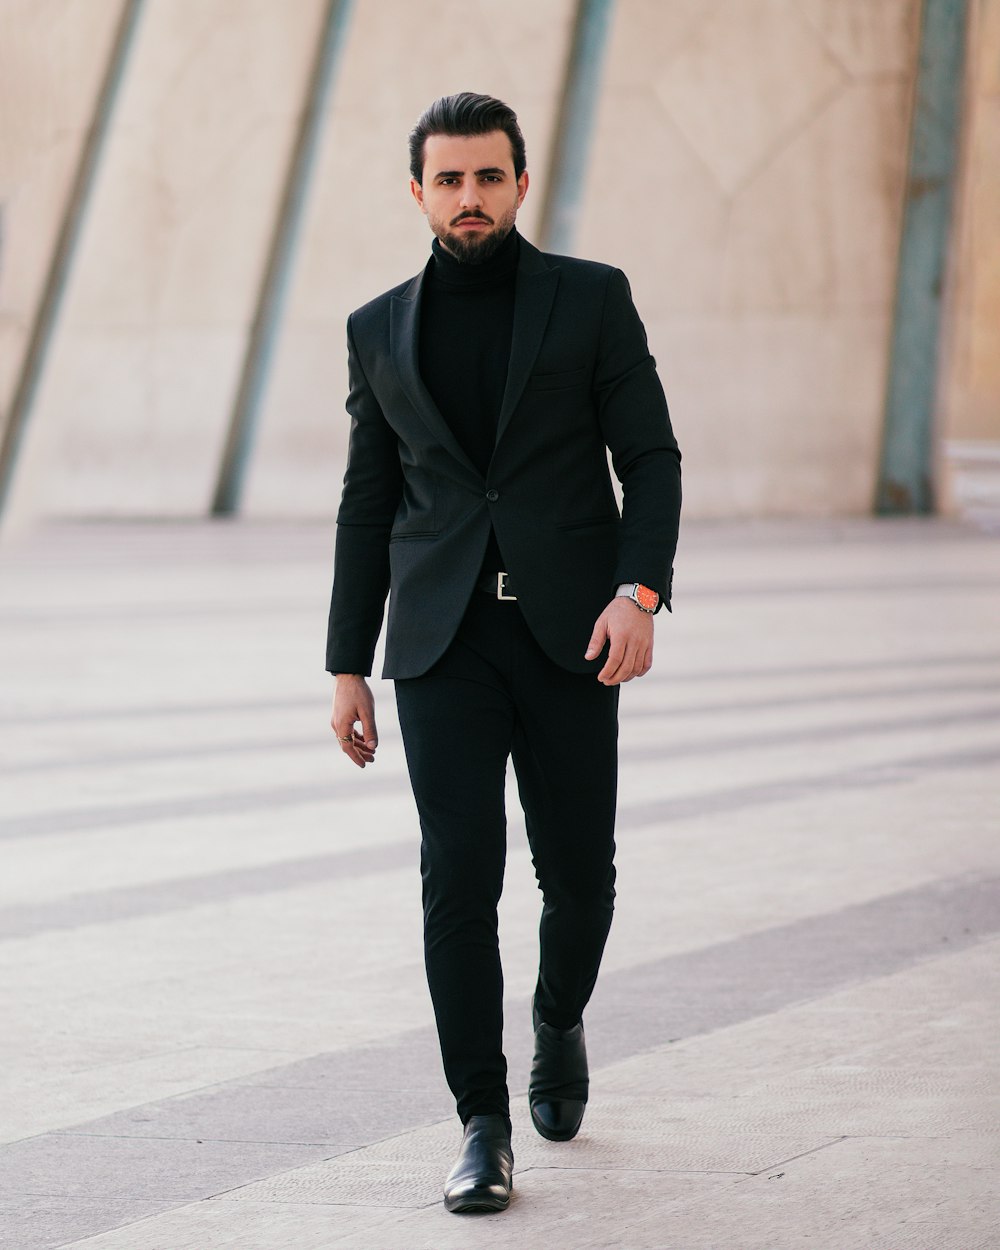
704, 746
305, 702
80, 820
329, 1105
124, 902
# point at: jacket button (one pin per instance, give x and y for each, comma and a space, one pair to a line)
492, 495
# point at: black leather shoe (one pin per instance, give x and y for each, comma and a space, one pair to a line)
557, 1092
481, 1179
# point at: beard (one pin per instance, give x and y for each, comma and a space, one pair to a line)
477, 246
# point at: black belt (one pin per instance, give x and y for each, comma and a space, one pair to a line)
497, 585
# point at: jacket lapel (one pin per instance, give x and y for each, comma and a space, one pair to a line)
404, 348
533, 296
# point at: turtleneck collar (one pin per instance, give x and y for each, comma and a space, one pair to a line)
449, 270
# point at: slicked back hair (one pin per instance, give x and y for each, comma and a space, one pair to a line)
465, 114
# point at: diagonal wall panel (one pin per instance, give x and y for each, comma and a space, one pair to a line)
749, 178
132, 411
53, 58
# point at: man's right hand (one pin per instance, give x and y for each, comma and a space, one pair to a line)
353, 702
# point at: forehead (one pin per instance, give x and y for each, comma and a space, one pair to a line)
460, 153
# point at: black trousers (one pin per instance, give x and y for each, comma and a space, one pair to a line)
495, 695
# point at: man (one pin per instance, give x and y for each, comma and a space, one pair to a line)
484, 394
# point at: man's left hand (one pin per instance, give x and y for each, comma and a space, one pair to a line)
629, 631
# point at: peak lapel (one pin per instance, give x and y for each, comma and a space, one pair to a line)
533, 296
404, 347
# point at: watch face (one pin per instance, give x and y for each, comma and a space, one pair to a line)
646, 599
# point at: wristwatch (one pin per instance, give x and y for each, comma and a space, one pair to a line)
645, 600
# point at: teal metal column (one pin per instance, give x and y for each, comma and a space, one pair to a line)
64, 251
575, 125
905, 481
245, 415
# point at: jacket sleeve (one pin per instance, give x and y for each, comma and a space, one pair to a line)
635, 422
373, 485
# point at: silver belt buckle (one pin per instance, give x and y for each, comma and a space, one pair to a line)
501, 578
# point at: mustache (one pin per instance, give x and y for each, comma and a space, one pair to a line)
472, 217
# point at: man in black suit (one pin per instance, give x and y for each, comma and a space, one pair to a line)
484, 396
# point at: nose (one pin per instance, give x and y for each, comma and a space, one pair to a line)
471, 197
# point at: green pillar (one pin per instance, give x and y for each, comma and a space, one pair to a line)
905, 480
574, 125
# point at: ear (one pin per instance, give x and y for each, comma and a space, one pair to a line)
417, 191
522, 188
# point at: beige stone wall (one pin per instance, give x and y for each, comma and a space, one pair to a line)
972, 391
139, 385
52, 59
748, 176
969, 466
746, 172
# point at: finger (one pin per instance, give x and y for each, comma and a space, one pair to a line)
349, 742
363, 749
351, 751
614, 661
609, 673
615, 674
640, 664
621, 659
596, 640
631, 664
357, 752
619, 679
369, 732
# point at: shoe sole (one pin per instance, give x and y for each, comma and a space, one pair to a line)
466, 1206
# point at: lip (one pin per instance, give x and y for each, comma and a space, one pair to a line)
473, 223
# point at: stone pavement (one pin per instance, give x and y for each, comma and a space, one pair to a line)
215, 1027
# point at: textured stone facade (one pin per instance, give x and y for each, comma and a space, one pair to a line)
746, 170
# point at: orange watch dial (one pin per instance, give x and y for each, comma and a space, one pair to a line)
646, 599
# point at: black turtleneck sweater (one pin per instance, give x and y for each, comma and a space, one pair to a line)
466, 323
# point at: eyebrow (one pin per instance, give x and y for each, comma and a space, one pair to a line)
457, 173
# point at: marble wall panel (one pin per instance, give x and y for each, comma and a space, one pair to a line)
769, 310
972, 383
363, 233
52, 59
748, 76
818, 228
746, 173
139, 386
969, 468
654, 210
751, 446
867, 38
144, 412
646, 34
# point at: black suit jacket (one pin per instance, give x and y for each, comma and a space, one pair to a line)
415, 513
